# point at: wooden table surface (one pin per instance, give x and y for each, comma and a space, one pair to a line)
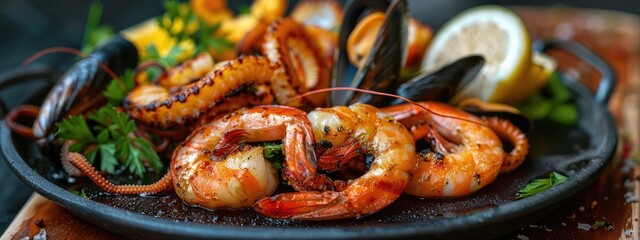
612, 199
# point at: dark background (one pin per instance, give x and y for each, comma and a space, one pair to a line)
27, 26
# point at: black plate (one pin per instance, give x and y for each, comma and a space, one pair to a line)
580, 152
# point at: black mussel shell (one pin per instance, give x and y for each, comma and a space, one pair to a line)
84, 80
481, 108
443, 83
380, 70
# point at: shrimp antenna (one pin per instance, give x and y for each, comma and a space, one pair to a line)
73, 51
331, 89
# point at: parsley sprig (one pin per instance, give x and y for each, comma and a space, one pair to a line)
94, 33
112, 138
273, 153
179, 18
552, 103
169, 60
539, 185
117, 89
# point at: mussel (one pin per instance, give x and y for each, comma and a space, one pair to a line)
443, 83
83, 84
380, 70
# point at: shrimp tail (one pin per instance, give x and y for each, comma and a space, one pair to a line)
228, 144
306, 206
335, 158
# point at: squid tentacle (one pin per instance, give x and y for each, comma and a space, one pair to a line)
81, 162
509, 132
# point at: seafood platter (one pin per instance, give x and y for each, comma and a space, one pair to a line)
331, 120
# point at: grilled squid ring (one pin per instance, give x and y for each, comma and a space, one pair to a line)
159, 107
509, 132
288, 42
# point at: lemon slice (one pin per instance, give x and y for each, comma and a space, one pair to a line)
495, 32
538, 74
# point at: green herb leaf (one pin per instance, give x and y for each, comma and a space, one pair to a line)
117, 89
244, 9
177, 12
171, 59
80, 193
75, 128
564, 113
152, 52
94, 34
552, 103
204, 37
147, 152
537, 107
114, 141
559, 91
273, 153
108, 160
539, 185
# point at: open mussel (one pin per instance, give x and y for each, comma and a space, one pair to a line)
81, 85
443, 83
380, 69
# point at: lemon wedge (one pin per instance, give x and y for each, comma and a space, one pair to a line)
499, 35
537, 76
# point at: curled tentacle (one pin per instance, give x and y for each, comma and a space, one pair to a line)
509, 132
157, 106
12, 120
82, 164
68, 167
187, 72
325, 14
289, 43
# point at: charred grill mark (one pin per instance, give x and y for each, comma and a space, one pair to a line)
181, 97
324, 144
238, 90
476, 177
190, 94
195, 90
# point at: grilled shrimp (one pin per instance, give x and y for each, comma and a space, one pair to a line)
204, 176
465, 154
372, 131
236, 181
